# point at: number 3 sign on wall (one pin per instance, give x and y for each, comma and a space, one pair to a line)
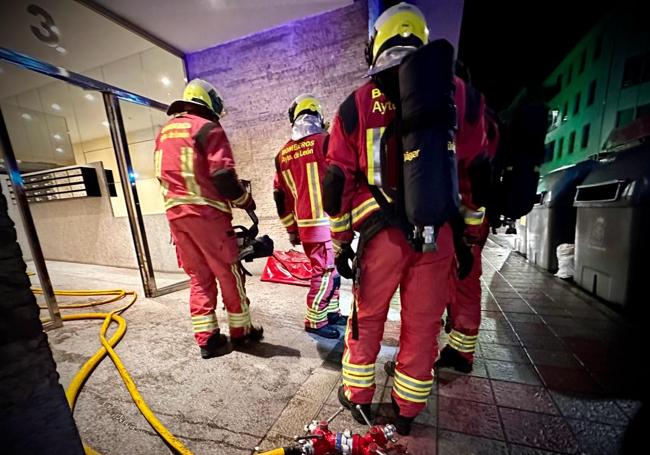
46, 31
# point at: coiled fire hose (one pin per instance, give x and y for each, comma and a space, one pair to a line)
87, 368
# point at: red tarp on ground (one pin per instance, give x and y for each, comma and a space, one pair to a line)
288, 267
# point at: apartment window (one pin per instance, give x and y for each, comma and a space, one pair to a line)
576, 106
548, 152
624, 116
560, 148
632, 71
598, 47
565, 111
572, 142
583, 61
645, 72
592, 93
584, 142
569, 75
643, 111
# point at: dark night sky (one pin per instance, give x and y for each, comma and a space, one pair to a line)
508, 45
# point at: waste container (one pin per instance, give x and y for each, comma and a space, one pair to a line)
520, 240
553, 220
613, 224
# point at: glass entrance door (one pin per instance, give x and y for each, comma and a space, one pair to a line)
78, 123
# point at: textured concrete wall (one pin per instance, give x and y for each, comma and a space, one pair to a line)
86, 231
261, 74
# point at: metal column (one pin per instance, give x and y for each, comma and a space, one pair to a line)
127, 180
30, 229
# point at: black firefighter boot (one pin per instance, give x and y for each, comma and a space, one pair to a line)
327, 331
216, 346
402, 423
356, 413
451, 358
337, 319
254, 335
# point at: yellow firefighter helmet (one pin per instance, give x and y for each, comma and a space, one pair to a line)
397, 32
305, 104
199, 96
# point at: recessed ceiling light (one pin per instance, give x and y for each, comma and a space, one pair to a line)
26, 116
55, 106
61, 50
89, 97
57, 136
165, 81
59, 149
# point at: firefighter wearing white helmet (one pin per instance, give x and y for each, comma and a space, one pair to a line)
385, 259
196, 170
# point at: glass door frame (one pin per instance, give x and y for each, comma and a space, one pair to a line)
111, 97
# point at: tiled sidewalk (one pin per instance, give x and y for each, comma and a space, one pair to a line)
552, 373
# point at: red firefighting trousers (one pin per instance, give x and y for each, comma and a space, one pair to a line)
388, 261
207, 249
465, 302
323, 295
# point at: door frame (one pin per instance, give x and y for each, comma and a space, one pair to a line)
111, 97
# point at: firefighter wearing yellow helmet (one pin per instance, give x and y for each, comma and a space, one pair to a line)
397, 32
297, 188
196, 170
359, 168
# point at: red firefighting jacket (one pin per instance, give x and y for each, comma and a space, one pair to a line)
357, 153
189, 149
300, 168
471, 142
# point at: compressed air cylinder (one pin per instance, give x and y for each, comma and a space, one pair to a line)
428, 117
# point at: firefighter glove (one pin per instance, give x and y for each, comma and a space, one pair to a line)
464, 258
294, 238
343, 255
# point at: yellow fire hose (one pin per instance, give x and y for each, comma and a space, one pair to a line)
107, 348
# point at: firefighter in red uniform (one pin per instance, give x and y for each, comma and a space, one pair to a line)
475, 147
388, 259
300, 167
196, 170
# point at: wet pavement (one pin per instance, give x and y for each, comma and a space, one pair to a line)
554, 373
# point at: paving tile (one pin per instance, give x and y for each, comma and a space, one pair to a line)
538, 430
597, 438
451, 443
469, 417
556, 321
513, 372
516, 307
524, 397
491, 351
569, 380
531, 328
590, 409
551, 310
494, 324
523, 450
498, 336
421, 441
534, 340
629, 407
553, 358
524, 317
456, 385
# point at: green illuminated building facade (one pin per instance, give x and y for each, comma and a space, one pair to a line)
603, 83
